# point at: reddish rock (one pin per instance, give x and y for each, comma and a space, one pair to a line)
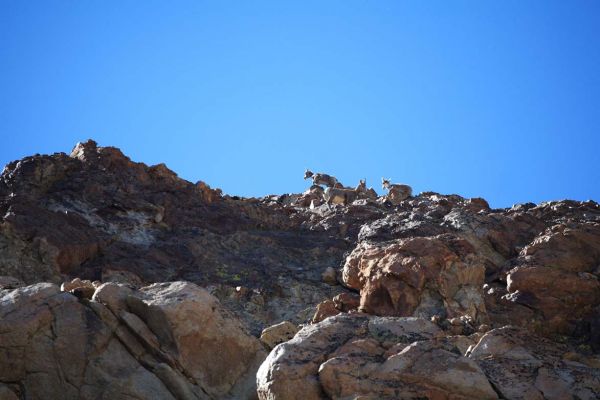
573, 247
324, 310
209, 195
558, 277
346, 302
477, 204
427, 276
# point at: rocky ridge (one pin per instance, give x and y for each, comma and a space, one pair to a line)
436, 297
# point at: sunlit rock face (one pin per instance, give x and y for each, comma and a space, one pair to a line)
349, 356
167, 341
167, 286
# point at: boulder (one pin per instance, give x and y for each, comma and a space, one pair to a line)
167, 341
113, 295
80, 288
325, 309
209, 343
55, 347
360, 356
279, 333
346, 301
523, 366
429, 276
353, 355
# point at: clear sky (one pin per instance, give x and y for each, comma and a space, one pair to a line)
494, 99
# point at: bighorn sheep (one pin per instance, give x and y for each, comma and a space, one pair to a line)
321, 179
396, 192
345, 196
336, 195
363, 192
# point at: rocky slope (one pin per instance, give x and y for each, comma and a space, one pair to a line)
437, 297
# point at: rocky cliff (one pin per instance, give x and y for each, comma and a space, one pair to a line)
435, 296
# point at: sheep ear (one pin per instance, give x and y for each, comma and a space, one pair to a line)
382, 179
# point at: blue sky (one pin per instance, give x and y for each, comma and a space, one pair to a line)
493, 99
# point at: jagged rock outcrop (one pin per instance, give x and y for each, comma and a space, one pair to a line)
96, 215
532, 266
165, 341
418, 299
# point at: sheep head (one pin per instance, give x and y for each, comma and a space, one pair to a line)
385, 183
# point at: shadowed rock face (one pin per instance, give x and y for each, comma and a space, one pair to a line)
96, 215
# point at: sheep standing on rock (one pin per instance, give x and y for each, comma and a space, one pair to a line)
337, 195
396, 192
345, 196
363, 192
321, 179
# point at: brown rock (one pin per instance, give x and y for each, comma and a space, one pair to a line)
346, 302
523, 366
557, 277
113, 295
209, 195
208, 342
55, 347
170, 344
98, 215
290, 371
359, 356
428, 369
418, 276
560, 296
279, 333
325, 309
343, 357
568, 247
